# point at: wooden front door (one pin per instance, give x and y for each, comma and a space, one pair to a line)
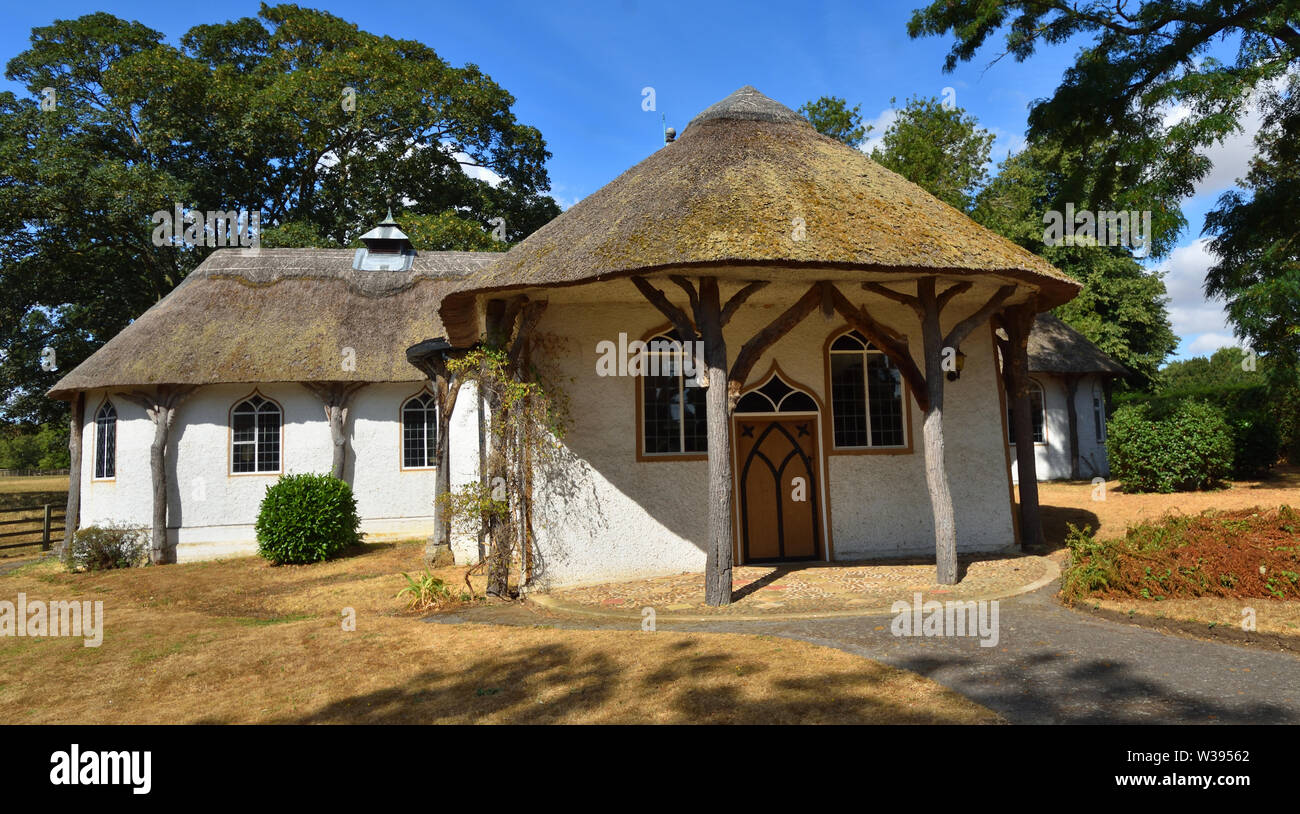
779, 492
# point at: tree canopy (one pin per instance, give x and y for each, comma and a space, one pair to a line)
1122, 307
297, 113
1144, 97
939, 147
1257, 242
833, 117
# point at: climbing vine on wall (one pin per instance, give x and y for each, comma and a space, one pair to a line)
526, 429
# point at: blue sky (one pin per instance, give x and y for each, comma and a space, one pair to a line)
577, 72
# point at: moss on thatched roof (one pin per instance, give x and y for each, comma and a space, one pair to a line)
732, 191
1055, 347
284, 315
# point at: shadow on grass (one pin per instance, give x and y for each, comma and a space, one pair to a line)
1057, 519
553, 684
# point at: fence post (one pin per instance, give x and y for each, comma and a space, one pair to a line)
45, 530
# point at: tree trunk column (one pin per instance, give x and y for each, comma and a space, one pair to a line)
72, 517
159, 552
440, 545
1072, 413
936, 473
717, 586
1018, 322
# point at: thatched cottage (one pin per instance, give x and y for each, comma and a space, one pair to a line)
859, 344
1070, 382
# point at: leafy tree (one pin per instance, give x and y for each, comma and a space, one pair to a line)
44, 447
940, 148
1222, 369
448, 230
1122, 307
1258, 244
1138, 64
833, 117
297, 113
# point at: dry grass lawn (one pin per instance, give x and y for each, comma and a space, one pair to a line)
241, 641
1072, 502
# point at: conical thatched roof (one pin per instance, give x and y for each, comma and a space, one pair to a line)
1055, 347
284, 315
729, 191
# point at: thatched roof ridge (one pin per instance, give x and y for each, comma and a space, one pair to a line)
282, 315
729, 192
1055, 347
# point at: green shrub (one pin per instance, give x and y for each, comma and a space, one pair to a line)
1092, 565
100, 548
1261, 418
1256, 444
307, 518
1189, 448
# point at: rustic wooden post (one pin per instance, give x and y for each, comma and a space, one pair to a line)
717, 553
1072, 414
723, 385
929, 305
160, 405
431, 359
336, 399
1017, 322
72, 514
45, 529
936, 473
516, 318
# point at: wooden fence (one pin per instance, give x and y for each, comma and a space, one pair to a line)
46, 526
31, 473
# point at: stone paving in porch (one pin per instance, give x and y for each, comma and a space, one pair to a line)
838, 589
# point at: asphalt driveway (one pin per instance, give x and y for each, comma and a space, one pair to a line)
1050, 665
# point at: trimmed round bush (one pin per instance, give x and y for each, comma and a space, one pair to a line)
1191, 447
307, 518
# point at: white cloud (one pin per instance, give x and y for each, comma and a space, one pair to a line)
1201, 324
878, 127
1207, 344
475, 171
1231, 159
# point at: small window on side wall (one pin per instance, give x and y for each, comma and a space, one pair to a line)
420, 432
255, 426
1036, 410
106, 442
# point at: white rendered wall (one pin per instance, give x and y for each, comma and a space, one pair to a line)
1052, 457
464, 454
213, 511
605, 515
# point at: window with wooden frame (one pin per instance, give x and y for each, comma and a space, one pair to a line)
420, 432
1036, 410
868, 398
672, 405
106, 442
255, 436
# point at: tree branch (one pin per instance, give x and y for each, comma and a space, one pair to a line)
952, 291
738, 299
753, 350
962, 329
892, 343
891, 294
685, 328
